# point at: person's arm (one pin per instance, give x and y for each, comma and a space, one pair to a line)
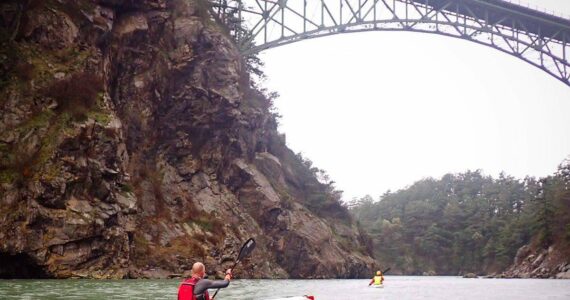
204, 284
371, 281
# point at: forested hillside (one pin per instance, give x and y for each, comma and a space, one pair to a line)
468, 222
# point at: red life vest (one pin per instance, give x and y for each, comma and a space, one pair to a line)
186, 290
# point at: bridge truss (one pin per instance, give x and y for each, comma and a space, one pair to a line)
538, 38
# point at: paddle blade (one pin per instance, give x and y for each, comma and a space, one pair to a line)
246, 249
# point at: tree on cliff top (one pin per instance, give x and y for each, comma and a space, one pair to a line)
467, 222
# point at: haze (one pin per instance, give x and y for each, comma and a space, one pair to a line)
380, 110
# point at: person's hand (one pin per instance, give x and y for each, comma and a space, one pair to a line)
228, 275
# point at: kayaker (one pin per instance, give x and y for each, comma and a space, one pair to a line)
196, 287
378, 279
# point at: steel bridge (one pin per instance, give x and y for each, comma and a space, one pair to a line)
538, 38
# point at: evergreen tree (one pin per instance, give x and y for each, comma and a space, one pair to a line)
466, 222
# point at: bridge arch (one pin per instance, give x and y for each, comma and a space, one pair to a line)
537, 38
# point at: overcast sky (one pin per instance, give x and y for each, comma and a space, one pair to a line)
380, 110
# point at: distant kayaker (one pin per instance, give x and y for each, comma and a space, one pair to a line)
378, 279
196, 287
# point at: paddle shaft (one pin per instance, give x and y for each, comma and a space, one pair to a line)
243, 252
232, 269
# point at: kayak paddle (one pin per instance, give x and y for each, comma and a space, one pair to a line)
245, 251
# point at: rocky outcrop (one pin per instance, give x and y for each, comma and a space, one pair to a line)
132, 144
539, 263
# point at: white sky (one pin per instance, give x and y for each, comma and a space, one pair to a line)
380, 110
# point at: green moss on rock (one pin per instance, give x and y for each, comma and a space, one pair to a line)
8, 176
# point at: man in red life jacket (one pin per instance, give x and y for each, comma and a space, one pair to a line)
196, 287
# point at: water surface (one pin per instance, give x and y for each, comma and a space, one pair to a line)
396, 287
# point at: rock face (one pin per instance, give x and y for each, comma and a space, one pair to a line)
132, 144
539, 263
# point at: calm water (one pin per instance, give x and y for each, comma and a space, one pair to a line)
396, 288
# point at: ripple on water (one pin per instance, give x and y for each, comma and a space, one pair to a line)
396, 287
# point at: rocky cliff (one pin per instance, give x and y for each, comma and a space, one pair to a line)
132, 144
536, 262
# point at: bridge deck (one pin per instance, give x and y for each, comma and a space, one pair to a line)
502, 12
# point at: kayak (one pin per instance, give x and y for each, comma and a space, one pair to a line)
296, 298
378, 286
